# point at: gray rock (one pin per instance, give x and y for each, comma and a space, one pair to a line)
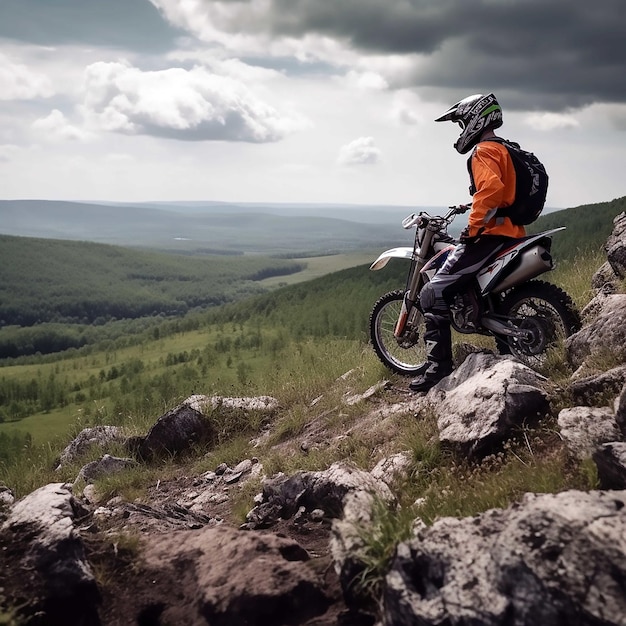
46, 558
478, 404
392, 468
7, 497
616, 246
87, 439
106, 466
233, 577
551, 559
584, 429
176, 431
584, 389
610, 460
348, 544
283, 495
605, 279
620, 411
207, 404
605, 335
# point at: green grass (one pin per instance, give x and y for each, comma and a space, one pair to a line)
321, 266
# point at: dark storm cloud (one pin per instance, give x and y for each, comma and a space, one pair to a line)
131, 24
553, 53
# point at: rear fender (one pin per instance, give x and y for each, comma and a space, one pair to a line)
532, 251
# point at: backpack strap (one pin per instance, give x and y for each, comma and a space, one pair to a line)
472, 186
501, 212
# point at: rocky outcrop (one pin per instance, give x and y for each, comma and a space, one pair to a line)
192, 423
610, 459
586, 428
88, 438
43, 562
283, 496
605, 336
552, 559
175, 432
105, 466
227, 577
481, 401
615, 246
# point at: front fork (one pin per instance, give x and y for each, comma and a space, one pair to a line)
410, 309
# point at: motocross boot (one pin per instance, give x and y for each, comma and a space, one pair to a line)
438, 364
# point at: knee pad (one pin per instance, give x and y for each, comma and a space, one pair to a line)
430, 301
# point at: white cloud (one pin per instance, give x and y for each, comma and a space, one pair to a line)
56, 127
18, 82
551, 121
182, 104
407, 109
361, 151
8, 152
366, 80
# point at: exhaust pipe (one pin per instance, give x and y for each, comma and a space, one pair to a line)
532, 262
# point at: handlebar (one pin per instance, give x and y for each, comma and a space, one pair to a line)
415, 218
460, 209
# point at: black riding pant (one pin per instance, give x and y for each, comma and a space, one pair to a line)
460, 268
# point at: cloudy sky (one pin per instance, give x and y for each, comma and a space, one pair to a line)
302, 100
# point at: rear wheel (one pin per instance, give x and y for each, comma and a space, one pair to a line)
404, 355
546, 312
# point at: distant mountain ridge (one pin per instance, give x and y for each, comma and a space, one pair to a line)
245, 228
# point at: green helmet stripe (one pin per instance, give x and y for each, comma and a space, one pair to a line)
493, 107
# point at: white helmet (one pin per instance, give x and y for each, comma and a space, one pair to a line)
474, 114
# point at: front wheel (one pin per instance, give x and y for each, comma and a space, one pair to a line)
404, 355
543, 309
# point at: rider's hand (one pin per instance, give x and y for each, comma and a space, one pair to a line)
465, 236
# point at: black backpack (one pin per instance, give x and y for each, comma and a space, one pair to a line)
531, 186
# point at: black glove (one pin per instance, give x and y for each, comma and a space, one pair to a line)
465, 236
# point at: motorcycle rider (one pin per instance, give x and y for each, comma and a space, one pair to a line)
492, 176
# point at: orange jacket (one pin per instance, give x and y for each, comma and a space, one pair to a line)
494, 180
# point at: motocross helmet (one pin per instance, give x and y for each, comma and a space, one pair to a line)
474, 114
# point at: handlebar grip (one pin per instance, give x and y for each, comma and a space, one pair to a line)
462, 208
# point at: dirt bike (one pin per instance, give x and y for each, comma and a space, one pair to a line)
526, 317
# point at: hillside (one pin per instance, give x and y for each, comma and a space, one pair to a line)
323, 493
44, 280
588, 227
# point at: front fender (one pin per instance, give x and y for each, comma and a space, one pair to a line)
394, 253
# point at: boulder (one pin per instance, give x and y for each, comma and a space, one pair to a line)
348, 544
207, 404
43, 568
610, 459
549, 559
481, 401
584, 428
605, 279
616, 246
89, 438
605, 335
585, 388
282, 495
226, 577
175, 432
105, 466
620, 411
